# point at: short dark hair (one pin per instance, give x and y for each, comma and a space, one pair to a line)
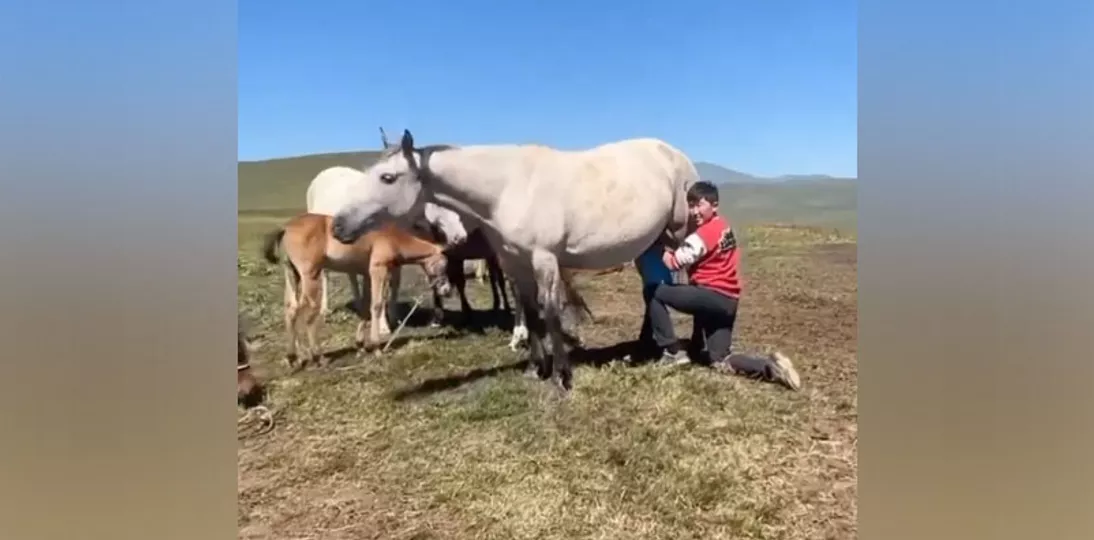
703, 190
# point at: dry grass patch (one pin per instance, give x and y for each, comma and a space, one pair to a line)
444, 438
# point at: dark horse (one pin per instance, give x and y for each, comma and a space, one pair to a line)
249, 392
474, 248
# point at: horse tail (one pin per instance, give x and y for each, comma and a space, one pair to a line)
270, 243
292, 286
574, 300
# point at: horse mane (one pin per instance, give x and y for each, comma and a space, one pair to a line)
394, 149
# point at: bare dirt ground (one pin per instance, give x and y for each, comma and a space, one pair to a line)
442, 437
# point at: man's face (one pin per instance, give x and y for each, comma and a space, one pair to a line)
702, 211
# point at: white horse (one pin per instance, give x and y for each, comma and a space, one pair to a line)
591, 209
450, 223
326, 194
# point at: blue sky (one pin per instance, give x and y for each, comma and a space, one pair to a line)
767, 88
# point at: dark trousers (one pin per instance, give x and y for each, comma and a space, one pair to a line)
714, 315
645, 335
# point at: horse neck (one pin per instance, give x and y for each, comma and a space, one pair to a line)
470, 179
413, 248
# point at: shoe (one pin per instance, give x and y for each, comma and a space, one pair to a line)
674, 359
782, 370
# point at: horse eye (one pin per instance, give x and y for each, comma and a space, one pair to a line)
387, 178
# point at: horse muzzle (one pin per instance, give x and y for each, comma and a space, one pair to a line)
349, 230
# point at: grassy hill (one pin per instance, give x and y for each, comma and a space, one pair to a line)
823, 203
277, 187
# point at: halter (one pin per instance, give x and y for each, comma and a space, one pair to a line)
421, 165
241, 367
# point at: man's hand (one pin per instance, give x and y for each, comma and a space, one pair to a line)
670, 261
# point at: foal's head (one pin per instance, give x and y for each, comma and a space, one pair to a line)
435, 267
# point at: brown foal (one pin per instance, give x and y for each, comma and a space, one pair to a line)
310, 249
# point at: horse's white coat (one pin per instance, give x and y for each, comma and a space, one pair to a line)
591, 209
329, 191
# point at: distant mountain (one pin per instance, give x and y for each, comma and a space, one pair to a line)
719, 175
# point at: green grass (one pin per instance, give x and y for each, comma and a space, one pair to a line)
439, 438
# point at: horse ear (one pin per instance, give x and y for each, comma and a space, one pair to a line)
408, 141
383, 137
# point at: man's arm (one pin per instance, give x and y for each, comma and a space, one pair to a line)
691, 250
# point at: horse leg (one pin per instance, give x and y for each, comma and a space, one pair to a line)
520, 317
530, 320
391, 306
291, 307
497, 283
354, 304
457, 278
359, 336
494, 297
325, 306
379, 275
548, 277
677, 227
311, 302
438, 309
362, 295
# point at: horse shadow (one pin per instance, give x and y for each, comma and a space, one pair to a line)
342, 356
478, 321
597, 357
475, 320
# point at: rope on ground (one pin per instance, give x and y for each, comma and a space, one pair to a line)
264, 425
417, 302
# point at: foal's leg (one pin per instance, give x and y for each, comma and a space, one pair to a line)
379, 274
325, 307
291, 308
391, 304
354, 289
362, 294
311, 287
549, 282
